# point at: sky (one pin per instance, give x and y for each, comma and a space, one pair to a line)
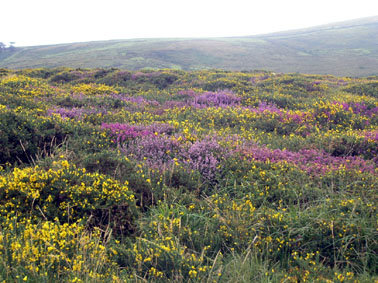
39, 22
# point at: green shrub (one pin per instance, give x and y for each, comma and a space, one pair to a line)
22, 137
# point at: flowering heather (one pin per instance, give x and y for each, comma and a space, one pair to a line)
284, 116
139, 100
372, 136
157, 152
160, 128
205, 156
75, 112
311, 160
342, 82
186, 100
161, 152
187, 93
269, 107
124, 132
313, 86
216, 99
172, 105
359, 108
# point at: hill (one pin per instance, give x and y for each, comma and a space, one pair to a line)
347, 48
175, 176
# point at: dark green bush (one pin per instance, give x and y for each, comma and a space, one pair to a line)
370, 89
23, 137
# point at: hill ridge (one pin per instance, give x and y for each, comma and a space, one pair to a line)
348, 48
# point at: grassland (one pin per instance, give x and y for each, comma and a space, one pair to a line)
170, 176
346, 49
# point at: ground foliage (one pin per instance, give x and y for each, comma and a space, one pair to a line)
113, 175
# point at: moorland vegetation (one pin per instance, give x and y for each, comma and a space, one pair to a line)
211, 176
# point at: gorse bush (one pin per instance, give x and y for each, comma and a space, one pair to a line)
173, 176
53, 251
68, 194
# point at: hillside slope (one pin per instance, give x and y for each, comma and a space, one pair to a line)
347, 48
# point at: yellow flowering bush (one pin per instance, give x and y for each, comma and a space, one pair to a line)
25, 86
51, 250
69, 194
93, 89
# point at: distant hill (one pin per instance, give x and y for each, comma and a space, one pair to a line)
347, 48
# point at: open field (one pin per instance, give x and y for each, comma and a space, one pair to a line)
110, 175
348, 49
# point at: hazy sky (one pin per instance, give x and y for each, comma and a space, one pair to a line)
34, 22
